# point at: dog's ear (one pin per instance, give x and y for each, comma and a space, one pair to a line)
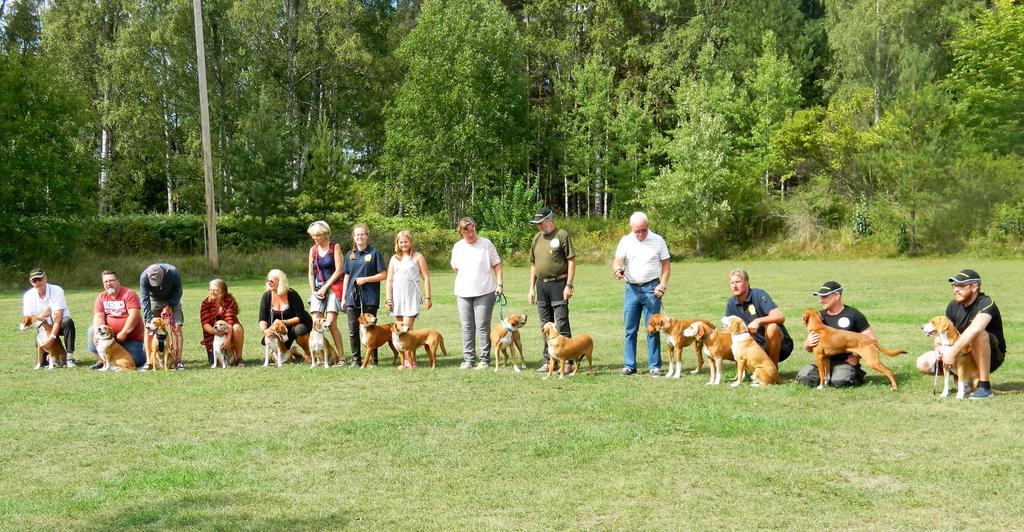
666, 322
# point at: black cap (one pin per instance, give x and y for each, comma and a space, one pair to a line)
36, 273
965, 276
542, 214
828, 287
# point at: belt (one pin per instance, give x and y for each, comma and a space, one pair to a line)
555, 278
645, 283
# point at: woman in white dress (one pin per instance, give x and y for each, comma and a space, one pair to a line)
406, 268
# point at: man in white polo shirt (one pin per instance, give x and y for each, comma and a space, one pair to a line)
642, 260
46, 301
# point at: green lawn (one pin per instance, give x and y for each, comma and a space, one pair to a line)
299, 448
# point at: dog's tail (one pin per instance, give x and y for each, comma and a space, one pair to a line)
440, 343
890, 352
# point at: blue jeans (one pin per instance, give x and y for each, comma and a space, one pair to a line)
640, 297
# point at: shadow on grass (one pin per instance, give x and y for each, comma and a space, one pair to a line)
1008, 387
211, 512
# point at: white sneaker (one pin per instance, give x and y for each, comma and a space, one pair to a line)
482, 365
466, 365
71, 363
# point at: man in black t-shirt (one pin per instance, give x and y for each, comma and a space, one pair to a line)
845, 366
977, 318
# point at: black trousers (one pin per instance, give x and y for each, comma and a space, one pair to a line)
551, 306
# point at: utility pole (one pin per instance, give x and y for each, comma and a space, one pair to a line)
204, 115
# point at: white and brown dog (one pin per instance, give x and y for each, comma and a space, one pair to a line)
275, 343
159, 352
749, 355
408, 341
372, 336
563, 349
222, 356
112, 355
716, 345
505, 340
676, 340
320, 349
967, 374
55, 355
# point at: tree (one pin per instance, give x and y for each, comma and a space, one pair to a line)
988, 76
458, 124
327, 186
774, 90
259, 161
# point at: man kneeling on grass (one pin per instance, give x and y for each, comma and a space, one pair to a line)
845, 370
977, 319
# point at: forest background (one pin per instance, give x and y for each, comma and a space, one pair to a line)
770, 128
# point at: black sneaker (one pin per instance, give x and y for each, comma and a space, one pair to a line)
981, 393
627, 372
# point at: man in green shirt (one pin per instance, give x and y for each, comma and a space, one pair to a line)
552, 269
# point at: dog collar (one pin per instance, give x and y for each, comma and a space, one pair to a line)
508, 326
740, 337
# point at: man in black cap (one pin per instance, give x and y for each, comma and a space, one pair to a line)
552, 269
47, 302
160, 287
980, 325
845, 366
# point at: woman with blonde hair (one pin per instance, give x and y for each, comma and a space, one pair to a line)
221, 305
325, 287
281, 303
474, 258
405, 269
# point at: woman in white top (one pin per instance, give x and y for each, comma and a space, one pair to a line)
474, 258
405, 269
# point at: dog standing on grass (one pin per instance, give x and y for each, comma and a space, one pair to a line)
673, 330
565, 349
505, 340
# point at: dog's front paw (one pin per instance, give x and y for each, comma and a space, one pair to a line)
945, 393
821, 387
961, 395
735, 384
516, 368
38, 366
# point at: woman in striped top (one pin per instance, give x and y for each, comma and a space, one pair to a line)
221, 305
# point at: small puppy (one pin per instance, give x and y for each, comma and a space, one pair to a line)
673, 330
749, 354
372, 336
832, 341
112, 355
716, 345
275, 344
966, 369
320, 350
56, 356
505, 340
158, 348
408, 341
563, 348
220, 355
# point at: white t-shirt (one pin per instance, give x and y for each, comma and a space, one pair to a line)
474, 263
33, 305
642, 259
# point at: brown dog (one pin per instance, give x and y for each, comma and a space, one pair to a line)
749, 355
158, 348
832, 341
673, 330
716, 345
408, 341
563, 349
112, 355
966, 369
505, 340
55, 355
372, 336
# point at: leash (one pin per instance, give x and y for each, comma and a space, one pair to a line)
502, 303
935, 379
359, 296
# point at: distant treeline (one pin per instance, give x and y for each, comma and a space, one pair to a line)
728, 120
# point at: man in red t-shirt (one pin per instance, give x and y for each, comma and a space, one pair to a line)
119, 308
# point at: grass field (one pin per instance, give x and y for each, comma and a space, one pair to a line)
298, 448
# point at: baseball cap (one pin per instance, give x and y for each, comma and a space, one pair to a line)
542, 214
965, 276
155, 274
36, 273
828, 287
